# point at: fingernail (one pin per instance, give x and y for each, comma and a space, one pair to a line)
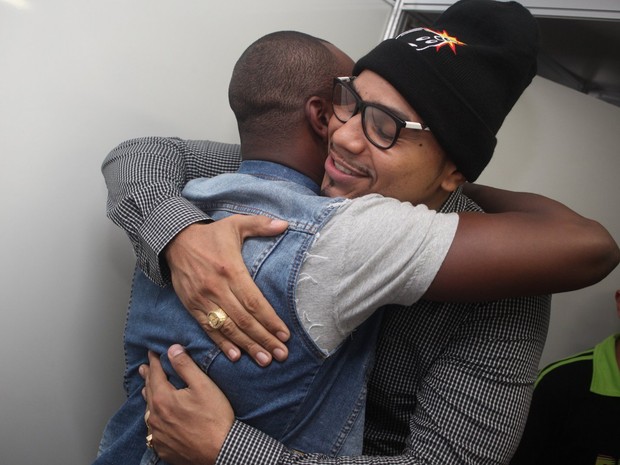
233, 354
278, 223
141, 370
279, 354
175, 350
282, 336
263, 359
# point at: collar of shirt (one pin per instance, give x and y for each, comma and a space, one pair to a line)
276, 171
606, 375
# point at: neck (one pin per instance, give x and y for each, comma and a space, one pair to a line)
438, 200
295, 152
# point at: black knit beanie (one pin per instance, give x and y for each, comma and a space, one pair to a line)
463, 74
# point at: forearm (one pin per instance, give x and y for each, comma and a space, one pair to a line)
562, 229
145, 178
529, 245
495, 200
248, 446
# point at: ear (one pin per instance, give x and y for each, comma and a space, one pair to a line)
453, 177
318, 111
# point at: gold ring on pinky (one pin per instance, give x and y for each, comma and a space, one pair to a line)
149, 441
217, 318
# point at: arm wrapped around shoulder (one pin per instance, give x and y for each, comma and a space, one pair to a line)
526, 244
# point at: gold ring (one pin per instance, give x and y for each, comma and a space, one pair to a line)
149, 441
217, 318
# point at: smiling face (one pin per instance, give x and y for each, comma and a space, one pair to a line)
415, 169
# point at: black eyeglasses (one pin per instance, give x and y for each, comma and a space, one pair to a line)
380, 126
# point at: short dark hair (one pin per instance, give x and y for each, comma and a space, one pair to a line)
273, 79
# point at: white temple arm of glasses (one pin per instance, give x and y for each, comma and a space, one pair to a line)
418, 126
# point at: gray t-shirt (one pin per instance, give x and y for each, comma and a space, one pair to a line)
374, 251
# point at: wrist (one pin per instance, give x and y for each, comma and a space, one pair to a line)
245, 445
184, 234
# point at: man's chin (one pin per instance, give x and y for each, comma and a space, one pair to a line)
329, 189
325, 192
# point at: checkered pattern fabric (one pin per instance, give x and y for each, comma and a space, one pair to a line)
452, 382
145, 178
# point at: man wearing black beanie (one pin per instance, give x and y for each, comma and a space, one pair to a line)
463, 75
451, 382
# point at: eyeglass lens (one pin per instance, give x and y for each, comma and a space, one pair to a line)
379, 127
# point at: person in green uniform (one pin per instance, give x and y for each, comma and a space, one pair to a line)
575, 413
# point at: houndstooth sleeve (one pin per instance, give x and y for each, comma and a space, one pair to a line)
145, 178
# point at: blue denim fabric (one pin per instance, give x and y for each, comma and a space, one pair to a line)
311, 402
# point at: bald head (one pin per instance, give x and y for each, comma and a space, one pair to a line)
274, 78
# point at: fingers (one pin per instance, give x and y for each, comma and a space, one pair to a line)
208, 272
184, 366
189, 425
231, 350
156, 372
229, 337
230, 332
255, 321
154, 377
242, 287
249, 298
250, 226
243, 328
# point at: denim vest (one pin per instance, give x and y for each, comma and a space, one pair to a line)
312, 402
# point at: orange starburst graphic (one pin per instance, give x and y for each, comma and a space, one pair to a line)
448, 40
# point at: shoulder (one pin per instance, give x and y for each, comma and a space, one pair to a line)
459, 202
213, 147
376, 203
159, 145
572, 371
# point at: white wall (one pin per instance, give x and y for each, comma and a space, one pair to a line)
78, 77
566, 145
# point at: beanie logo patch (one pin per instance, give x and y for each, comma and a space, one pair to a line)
422, 38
